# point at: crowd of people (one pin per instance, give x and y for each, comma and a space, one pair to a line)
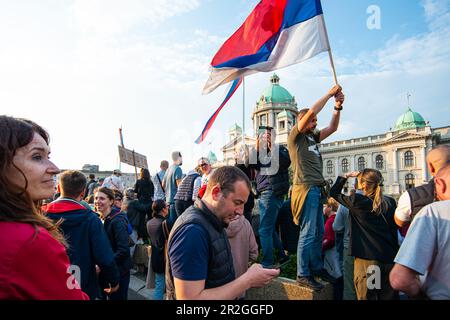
78, 243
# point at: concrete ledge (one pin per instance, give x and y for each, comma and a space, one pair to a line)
287, 289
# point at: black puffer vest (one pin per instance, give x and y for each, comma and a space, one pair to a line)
186, 188
220, 264
421, 196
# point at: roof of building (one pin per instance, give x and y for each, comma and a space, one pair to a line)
235, 127
410, 120
276, 93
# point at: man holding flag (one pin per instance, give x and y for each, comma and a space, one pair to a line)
308, 188
277, 34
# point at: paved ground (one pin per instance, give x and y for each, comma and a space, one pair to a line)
138, 290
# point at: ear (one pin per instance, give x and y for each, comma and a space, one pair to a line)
216, 192
432, 169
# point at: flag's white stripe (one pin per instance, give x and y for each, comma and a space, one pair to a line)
295, 44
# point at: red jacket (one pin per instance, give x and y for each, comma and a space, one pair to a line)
328, 235
33, 265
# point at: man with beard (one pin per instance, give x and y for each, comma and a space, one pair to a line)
308, 183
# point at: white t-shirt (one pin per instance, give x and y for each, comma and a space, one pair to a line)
403, 211
113, 182
426, 249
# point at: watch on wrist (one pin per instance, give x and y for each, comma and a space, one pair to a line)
338, 109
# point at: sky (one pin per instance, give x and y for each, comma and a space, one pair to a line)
84, 68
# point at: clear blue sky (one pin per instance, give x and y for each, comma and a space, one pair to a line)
83, 68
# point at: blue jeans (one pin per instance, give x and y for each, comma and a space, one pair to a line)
269, 205
309, 249
160, 286
172, 215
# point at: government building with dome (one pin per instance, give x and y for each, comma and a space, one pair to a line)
400, 154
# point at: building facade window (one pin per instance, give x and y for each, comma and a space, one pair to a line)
329, 167
344, 165
409, 158
263, 120
379, 162
282, 125
409, 181
361, 163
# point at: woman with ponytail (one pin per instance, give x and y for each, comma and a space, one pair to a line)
33, 261
373, 234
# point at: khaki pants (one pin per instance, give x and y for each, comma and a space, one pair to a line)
371, 284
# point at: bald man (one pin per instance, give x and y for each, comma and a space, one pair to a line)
426, 248
415, 199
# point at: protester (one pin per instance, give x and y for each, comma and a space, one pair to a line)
160, 193
33, 260
426, 248
200, 263
88, 244
373, 234
170, 183
116, 226
308, 183
187, 191
114, 181
341, 224
414, 199
329, 249
90, 185
272, 185
145, 191
244, 248
206, 168
241, 161
158, 242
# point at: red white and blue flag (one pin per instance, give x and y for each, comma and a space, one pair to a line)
234, 85
276, 34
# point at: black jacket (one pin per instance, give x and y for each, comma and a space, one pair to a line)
277, 181
116, 227
372, 237
144, 189
158, 243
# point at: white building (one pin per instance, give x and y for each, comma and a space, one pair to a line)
399, 154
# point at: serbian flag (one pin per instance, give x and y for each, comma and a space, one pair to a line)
276, 34
234, 85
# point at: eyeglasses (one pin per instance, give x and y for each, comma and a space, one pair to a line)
204, 165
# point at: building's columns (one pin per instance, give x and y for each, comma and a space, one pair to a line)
336, 167
424, 164
395, 166
369, 161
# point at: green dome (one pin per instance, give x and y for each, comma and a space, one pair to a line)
212, 157
276, 93
410, 120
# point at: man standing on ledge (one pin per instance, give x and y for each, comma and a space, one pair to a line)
307, 186
200, 263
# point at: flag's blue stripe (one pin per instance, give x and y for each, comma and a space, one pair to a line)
296, 11
236, 83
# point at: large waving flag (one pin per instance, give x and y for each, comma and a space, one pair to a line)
276, 34
236, 83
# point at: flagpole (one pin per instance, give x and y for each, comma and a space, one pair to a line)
329, 52
243, 111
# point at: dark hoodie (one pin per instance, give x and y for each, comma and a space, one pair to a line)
116, 226
88, 243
